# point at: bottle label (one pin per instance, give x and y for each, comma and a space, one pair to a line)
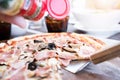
35, 10
38, 2
31, 9
36, 13
27, 4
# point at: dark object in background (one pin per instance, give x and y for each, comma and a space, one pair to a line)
54, 25
5, 30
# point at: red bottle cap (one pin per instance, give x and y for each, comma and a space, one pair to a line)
58, 9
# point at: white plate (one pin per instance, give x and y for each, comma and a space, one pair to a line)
78, 26
96, 32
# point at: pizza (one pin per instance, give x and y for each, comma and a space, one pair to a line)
41, 56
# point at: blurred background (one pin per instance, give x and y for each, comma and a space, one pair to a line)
94, 17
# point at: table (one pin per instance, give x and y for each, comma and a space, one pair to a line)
108, 70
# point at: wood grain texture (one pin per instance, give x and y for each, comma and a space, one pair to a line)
106, 54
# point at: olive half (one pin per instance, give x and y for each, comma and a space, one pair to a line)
32, 66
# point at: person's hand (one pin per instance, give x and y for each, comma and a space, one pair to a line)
17, 20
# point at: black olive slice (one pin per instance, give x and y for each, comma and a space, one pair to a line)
37, 41
32, 66
51, 46
2, 64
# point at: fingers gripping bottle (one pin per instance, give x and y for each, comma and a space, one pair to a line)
35, 9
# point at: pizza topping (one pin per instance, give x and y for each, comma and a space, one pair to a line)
68, 49
22, 56
54, 63
43, 71
51, 46
67, 55
3, 67
42, 46
32, 66
2, 45
27, 45
15, 74
38, 41
64, 62
76, 45
41, 63
30, 73
26, 55
86, 51
45, 54
2, 64
5, 56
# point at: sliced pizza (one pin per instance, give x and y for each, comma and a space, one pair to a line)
40, 57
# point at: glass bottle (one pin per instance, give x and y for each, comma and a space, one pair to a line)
5, 30
30, 9
35, 9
